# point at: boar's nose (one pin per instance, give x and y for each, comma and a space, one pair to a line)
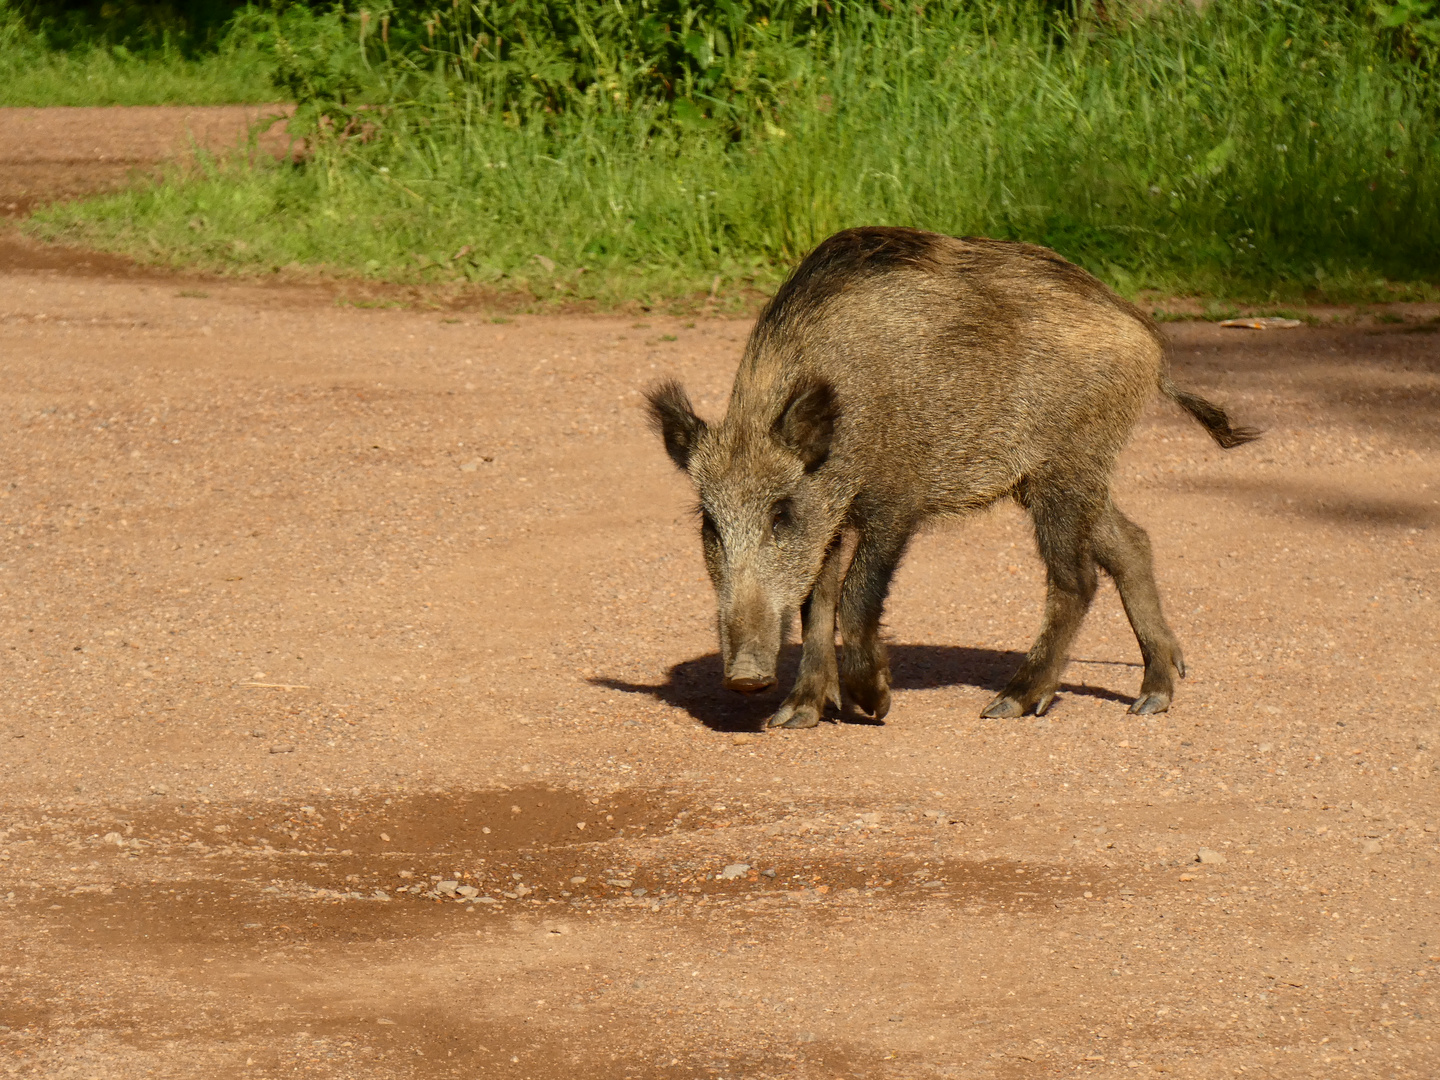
749, 683
748, 675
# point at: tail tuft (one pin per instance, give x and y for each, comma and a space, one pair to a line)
1215, 419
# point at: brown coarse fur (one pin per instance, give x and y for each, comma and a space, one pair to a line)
899, 376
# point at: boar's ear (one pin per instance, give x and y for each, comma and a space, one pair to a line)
673, 418
806, 424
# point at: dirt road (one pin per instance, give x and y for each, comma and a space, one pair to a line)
68, 153
362, 719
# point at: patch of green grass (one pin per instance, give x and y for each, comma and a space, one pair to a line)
1219, 311
1264, 152
99, 77
34, 73
369, 302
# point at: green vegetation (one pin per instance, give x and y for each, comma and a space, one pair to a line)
643, 148
44, 63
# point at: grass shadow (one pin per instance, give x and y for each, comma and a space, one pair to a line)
696, 685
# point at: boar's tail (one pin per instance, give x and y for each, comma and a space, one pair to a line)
1211, 415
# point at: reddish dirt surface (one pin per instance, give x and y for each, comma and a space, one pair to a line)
53, 154
362, 719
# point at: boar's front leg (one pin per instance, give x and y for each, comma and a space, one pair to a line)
864, 665
819, 681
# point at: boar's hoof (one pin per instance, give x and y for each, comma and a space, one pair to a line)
1145, 704
1008, 706
800, 715
1002, 708
874, 700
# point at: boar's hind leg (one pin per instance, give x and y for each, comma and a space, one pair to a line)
1123, 549
864, 666
1062, 527
819, 681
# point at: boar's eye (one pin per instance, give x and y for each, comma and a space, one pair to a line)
708, 532
780, 517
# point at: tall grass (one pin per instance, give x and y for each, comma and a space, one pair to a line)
34, 71
1253, 149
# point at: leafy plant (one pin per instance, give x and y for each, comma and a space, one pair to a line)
1414, 26
319, 66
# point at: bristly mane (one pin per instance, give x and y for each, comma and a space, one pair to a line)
838, 262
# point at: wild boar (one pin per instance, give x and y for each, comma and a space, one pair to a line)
899, 376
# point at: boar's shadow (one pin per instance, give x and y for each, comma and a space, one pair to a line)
697, 685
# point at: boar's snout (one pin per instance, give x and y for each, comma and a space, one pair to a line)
750, 641
749, 678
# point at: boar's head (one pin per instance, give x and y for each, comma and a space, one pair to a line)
767, 517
